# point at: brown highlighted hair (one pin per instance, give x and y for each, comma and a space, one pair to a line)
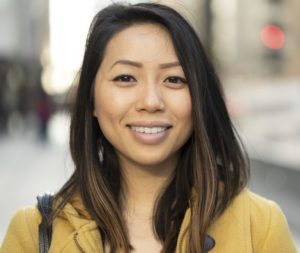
211, 159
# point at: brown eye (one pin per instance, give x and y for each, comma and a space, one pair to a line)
124, 78
176, 80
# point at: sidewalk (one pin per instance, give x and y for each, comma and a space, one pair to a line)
29, 167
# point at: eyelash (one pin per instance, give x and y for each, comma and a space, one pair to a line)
177, 78
170, 79
124, 78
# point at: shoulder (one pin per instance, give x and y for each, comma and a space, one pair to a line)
253, 224
22, 232
259, 206
268, 224
265, 215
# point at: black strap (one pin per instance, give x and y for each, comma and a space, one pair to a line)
45, 227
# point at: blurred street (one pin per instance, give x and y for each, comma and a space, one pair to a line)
29, 167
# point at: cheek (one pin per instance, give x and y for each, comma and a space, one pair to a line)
183, 111
110, 108
113, 99
186, 108
106, 113
182, 106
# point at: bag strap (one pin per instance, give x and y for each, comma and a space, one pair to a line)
45, 227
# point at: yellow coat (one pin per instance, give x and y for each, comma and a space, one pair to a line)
251, 224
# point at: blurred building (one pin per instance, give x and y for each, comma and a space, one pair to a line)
25, 26
240, 34
24, 34
240, 41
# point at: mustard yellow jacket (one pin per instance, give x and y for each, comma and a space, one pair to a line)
250, 224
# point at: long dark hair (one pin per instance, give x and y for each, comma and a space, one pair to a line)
212, 169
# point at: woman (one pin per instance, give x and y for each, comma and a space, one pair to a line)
158, 167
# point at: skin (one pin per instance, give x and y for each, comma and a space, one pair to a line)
151, 88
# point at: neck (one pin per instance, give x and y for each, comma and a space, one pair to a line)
142, 186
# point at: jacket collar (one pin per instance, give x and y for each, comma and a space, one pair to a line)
233, 223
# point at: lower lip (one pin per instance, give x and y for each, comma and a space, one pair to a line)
154, 138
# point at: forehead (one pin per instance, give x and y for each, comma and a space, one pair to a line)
143, 30
144, 42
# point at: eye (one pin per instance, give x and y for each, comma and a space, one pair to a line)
176, 80
124, 78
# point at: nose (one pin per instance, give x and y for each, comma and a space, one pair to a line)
150, 98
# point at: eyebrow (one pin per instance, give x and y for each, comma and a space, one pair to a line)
140, 65
128, 62
169, 65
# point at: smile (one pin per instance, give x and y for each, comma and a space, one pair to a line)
153, 134
148, 130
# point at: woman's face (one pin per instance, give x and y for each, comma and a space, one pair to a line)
142, 100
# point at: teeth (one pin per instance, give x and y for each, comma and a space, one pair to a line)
148, 130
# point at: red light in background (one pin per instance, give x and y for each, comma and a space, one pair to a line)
272, 37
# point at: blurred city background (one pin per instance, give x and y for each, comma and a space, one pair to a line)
255, 46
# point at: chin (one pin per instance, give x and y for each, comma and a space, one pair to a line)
153, 159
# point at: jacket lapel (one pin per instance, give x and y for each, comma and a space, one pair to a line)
183, 234
231, 232
83, 234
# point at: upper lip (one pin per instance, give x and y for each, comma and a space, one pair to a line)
150, 124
